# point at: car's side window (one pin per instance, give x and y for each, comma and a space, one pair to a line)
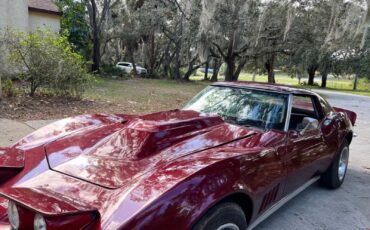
302, 106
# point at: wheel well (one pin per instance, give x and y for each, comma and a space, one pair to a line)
349, 137
244, 201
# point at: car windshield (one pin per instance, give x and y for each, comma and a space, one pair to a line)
244, 107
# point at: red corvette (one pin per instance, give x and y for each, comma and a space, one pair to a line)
231, 157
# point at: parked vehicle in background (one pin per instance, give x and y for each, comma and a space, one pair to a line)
128, 67
203, 70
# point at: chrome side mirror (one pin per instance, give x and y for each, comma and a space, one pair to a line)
308, 124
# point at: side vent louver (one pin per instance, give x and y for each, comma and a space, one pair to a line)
269, 198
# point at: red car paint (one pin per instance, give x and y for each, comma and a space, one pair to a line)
160, 171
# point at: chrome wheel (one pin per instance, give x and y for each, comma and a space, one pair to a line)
229, 226
343, 163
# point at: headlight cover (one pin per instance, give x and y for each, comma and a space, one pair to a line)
39, 222
13, 215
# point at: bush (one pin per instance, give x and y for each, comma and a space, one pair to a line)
8, 89
46, 60
113, 71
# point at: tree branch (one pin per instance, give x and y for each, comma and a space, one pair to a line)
219, 49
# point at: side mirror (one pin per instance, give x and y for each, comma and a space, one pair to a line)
308, 124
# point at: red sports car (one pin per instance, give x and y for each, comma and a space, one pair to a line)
231, 157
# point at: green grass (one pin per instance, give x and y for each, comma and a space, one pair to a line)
149, 95
144, 95
340, 85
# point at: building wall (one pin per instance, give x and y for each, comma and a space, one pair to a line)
39, 20
14, 14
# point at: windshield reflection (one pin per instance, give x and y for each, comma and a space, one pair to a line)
244, 107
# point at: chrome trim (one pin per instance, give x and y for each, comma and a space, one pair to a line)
280, 203
343, 163
289, 112
229, 226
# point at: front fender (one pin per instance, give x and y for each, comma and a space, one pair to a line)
205, 181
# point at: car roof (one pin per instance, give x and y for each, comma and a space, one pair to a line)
266, 87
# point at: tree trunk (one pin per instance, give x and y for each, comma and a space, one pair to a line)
299, 76
270, 65
96, 53
271, 76
178, 52
324, 79
241, 65
167, 57
177, 65
152, 56
1, 88
254, 75
216, 70
132, 60
95, 38
311, 74
166, 68
190, 72
230, 70
33, 87
206, 71
355, 83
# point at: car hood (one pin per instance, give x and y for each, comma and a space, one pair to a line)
113, 154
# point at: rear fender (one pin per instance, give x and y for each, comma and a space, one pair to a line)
351, 115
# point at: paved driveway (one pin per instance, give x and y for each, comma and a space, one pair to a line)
316, 208
346, 208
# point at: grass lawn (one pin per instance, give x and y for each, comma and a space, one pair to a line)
340, 85
137, 96
140, 96
134, 96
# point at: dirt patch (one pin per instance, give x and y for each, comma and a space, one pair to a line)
25, 108
136, 96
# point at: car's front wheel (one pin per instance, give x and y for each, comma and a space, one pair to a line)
333, 178
225, 216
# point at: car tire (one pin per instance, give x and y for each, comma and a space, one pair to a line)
334, 176
225, 216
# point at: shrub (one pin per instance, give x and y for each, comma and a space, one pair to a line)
8, 89
113, 71
48, 61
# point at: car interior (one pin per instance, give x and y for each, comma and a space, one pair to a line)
303, 106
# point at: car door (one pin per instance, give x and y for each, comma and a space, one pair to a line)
304, 147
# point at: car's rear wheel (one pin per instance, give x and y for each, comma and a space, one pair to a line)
225, 216
333, 178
